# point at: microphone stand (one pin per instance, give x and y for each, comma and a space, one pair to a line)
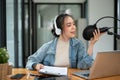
116, 35
110, 33
106, 17
88, 31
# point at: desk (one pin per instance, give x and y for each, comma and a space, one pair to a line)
70, 71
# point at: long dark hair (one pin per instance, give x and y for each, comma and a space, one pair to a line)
59, 23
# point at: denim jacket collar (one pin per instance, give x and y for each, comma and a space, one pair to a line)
73, 41
52, 47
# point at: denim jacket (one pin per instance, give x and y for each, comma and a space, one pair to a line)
46, 55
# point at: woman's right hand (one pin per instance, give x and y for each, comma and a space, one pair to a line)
39, 66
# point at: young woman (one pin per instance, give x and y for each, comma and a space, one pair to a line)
65, 49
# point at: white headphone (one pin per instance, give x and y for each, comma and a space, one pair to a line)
57, 30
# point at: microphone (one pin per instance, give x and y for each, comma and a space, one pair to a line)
88, 31
104, 29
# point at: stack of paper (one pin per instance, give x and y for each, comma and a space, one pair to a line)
59, 71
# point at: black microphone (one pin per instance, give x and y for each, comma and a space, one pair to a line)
104, 29
88, 31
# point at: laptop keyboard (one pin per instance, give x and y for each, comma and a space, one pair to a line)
86, 74
82, 73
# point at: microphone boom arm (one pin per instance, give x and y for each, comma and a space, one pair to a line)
111, 33
106, 17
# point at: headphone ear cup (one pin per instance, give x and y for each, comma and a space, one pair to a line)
57, 30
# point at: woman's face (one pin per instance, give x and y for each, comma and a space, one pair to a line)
69, 28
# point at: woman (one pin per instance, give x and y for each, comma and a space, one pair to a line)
65, 49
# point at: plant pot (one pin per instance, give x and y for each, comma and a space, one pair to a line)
5, 69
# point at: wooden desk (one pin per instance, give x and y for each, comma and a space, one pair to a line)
70, 71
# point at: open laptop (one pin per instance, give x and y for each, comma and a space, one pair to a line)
105, 64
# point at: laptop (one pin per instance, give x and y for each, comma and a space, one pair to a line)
106, 64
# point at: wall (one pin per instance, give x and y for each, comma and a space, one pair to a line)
118, 44
96, 10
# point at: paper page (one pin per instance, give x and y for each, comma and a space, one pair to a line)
54, 70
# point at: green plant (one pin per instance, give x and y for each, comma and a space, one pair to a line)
3, 55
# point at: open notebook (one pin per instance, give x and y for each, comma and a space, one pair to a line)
105, 64
58, 71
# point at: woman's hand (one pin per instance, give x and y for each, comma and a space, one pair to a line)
96, 37
39, 66
93, 40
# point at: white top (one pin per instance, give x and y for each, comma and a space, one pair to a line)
62, 54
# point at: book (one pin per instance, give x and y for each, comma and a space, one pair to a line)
58, 71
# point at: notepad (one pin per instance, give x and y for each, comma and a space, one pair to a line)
59, 71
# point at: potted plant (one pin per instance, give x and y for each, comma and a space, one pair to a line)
3, 55
5, 68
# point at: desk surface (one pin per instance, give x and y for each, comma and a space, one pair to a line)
70, 71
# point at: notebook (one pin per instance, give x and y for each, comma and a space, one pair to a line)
106, 64
52, 70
